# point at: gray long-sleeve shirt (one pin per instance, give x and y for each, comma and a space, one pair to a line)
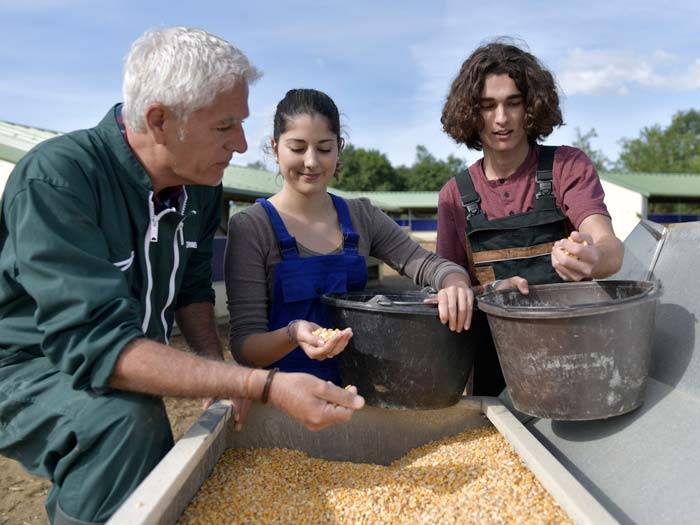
252, 252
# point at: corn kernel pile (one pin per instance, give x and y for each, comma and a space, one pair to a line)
474, 477
325, 333
567, 252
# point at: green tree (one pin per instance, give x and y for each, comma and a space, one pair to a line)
583, 142
675, 149
366, 170
428, 173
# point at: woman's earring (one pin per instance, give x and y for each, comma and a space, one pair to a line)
278, 176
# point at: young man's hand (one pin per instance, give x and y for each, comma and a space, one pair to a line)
515, 282
576, 257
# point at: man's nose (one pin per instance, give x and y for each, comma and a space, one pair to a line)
237, 143
500, 113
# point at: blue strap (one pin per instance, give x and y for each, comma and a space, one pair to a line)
350, 238
287, 243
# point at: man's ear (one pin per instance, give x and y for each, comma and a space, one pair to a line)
156, 119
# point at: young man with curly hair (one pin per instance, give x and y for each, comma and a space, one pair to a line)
523, 209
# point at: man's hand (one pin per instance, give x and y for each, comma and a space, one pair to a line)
313, 402
315, 346
592, 252
239, 409
575, 258
455, 302
514, 282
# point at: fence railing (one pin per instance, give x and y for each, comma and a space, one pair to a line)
667, 218
418, 225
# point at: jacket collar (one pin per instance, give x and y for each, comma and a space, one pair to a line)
109, 129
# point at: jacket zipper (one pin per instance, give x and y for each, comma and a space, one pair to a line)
171, 284
151, 236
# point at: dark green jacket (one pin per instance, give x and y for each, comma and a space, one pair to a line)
85, 264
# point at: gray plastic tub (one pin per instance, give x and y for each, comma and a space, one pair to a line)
574, 351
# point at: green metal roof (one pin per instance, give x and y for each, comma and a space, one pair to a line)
657, 184
378, 198
250, 182
398, 199
16, 139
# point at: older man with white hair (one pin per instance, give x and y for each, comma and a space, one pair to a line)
106, 237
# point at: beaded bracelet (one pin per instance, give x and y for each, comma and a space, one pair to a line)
289, 330
268, 384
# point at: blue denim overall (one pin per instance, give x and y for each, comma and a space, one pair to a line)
299, 283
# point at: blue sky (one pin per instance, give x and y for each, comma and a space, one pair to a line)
388, 65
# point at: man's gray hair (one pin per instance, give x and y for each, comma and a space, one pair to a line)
183, 68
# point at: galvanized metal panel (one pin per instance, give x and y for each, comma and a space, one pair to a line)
644, 466
675, 357
642, 248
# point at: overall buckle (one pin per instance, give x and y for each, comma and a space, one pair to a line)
472, 207
545, 189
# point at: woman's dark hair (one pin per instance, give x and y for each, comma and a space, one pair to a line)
306, 102
461, 115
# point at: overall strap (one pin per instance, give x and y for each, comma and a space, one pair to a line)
470, 198
287, 243
544, 198
350, 238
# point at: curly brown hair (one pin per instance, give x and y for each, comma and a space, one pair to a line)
461, 115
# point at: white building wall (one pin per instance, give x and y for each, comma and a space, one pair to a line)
5, 169
626, 207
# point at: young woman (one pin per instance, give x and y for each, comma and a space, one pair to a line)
284, 253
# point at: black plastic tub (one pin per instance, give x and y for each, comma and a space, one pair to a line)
574, 351
401, 355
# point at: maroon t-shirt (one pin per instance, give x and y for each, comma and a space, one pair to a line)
577, 188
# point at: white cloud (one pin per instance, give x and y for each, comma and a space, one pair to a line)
660, 55
587, 72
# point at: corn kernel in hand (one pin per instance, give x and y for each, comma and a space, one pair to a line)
566, 252
325, 333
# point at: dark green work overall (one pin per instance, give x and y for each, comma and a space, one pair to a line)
518, 244
95, 449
